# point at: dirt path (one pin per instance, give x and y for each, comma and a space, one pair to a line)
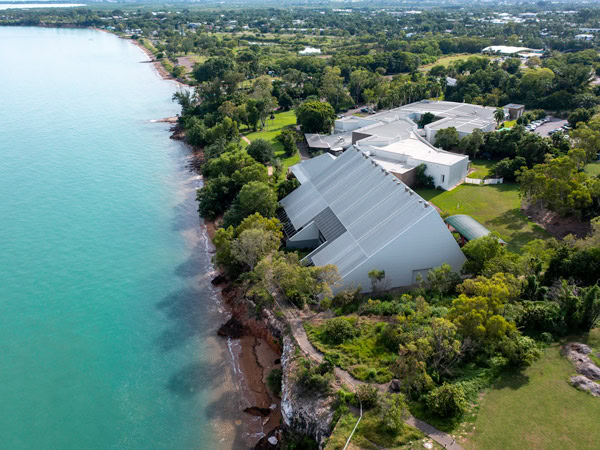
307, 348
245, 139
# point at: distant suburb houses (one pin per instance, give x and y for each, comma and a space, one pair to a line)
356, 215
394, 141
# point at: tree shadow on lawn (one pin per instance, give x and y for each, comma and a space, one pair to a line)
511, 380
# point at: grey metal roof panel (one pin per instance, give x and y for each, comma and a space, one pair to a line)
344, 252
329, 225
303, 204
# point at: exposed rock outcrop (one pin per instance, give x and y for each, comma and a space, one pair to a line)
588, 372
233, 329
585, 384
309, 415
577, 354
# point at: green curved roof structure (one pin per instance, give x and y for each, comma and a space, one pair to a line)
468, 227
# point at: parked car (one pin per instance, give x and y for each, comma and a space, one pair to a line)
365, 110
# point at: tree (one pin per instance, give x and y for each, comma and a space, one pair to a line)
446, 138
448, 400
442, 280
479, 319
261, 150
254, 244
288, 138
254, 197
185, 99
286, 187
479, 251
471, 143
499, 115
426, 119
559, 186
376, 277
214, 68
422, 180
332, 88
315, 116
393, 411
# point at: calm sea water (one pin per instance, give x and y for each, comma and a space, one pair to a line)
107, 315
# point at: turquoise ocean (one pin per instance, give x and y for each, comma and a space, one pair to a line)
107, 314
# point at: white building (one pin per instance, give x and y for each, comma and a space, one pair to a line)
359, 217
509, 50
310, 51
584, 37
395, 141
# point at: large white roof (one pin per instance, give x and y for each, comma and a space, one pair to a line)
417, 149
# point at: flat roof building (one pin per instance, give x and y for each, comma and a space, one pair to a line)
359, 217
394, 140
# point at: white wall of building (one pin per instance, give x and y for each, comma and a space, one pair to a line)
417, 250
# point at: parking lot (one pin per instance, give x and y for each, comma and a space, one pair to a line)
543, 130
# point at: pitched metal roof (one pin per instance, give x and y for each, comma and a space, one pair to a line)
358, 206
468, 227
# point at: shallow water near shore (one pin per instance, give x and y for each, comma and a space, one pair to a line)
107, 314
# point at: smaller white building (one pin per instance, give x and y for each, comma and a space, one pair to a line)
310, 51
584, 37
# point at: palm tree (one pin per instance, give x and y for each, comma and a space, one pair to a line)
499, 115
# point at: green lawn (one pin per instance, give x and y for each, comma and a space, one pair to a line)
510, 123
495, 206
482, 168
270, 133
537, 409
593, 168
447, 60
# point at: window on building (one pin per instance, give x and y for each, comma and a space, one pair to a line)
443, 178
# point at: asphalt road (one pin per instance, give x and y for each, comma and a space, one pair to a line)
549, 126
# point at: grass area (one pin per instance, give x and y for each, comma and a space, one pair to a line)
495, 206
447, 60
370, 435
481, 168
363, 356
593, 168
510, 123
270, 133
537, 409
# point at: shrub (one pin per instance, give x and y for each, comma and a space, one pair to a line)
340, 329
274, 380
261, 150
368, 396
314, 379
423, 181
447, 401
288, 138
325, 304
520, 350
393, 411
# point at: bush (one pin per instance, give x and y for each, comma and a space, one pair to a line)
393, 411
340, 329
261, 150
447, 401
520, 350
314, 379
368, 396
325, 304
274, 380
288, 138
423, 181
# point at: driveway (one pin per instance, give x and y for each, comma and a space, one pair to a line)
554, 123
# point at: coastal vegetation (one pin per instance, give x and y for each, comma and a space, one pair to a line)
463, 352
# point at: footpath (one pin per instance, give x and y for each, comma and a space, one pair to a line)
444, 439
